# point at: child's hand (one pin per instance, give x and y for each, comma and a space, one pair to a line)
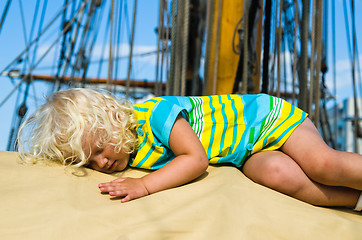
129, 188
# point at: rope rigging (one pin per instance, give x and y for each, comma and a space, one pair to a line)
5, 12
293, 60
354, 84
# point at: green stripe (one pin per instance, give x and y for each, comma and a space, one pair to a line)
192, 119
197, 125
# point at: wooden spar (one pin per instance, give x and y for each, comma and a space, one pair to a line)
222, 62
227, 60
67, 79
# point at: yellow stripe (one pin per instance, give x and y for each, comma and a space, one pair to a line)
219, 126
239, 105
142, 152
231, 121
206, 134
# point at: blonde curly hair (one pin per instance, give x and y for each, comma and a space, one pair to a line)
57, 130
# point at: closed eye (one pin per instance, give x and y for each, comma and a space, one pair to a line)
98, 151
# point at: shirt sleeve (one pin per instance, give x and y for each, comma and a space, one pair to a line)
163, 118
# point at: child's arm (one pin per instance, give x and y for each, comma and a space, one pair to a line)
190, 162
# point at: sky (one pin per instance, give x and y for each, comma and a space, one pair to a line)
13, 41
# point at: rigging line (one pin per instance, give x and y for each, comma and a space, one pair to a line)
93, 34
81, 57
34, 96
165, 50
186, 21
280, 35
167, 64
11, 93
74, 37
126, 18
13, 122
118, 39
357, 63
34, 19
110, 60
103, 47
4, 14
24, 32
347, 30
217, 44
160, 32
319, 29
358, 66
267, 22
295, 57
32, 30
356, 115
97, 24
244, 88
170, 84
128, 26
115, 44
89, 27
284, 48
178, 54
22, 110
274, 44
34, 41
163, 32
62, 48
64, 30
39, 30
303, 77
312, 62
55, 84
325, 32
131, 49
69, 39
115, 59
334, 68
234, 45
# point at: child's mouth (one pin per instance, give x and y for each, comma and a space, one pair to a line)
113, 164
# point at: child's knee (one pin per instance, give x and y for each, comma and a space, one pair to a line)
326, 168
280, 176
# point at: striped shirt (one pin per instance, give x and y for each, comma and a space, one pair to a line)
230, 127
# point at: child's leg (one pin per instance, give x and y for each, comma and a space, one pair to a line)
278, 171
320, 162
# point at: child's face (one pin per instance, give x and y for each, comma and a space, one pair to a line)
105, 159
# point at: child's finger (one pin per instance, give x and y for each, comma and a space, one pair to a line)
118, 180
113, 181
126, 199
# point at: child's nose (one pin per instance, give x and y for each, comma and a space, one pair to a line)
102, 162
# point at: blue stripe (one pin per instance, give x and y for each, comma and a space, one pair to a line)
288, 130
235, 125
225, 124
241, 152
212, 135
140, 109
149, 152
265, 140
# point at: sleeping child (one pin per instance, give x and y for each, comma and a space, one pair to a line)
273, 142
